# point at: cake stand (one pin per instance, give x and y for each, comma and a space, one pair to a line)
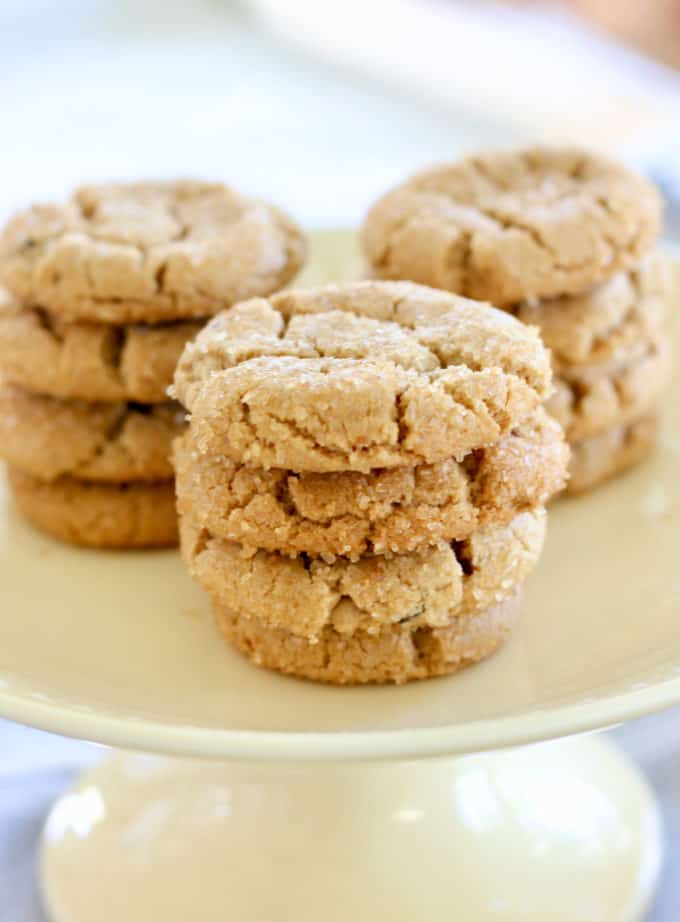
464, 798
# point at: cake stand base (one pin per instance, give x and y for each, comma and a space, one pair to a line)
557, 832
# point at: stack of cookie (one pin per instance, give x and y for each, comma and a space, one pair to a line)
103, 294
561, 239
361, 486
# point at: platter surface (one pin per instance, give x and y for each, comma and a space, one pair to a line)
120, 647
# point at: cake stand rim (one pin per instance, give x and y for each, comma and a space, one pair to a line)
143, 734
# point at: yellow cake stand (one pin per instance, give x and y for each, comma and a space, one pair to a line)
466, 798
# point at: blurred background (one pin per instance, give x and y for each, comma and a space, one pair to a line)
322, 105
319, 106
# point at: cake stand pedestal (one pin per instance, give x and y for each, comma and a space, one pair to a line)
557, 832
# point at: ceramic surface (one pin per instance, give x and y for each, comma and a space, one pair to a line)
121, 648
561, 832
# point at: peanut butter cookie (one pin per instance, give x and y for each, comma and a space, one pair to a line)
359, 376
148, 252
393, 510
591, 399
89, 361
110, 442
603, 456
426, 588
610, 324
512, 225
395, 654
132, 515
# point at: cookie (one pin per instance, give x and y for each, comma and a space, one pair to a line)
606, 324
148, 252
359, 376
427, 588
591, 399
394, 655
603, 456
110, 442
132, 515
89, 361
392, 510
511, 225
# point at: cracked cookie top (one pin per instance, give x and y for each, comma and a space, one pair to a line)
108, 442
89, 361
426, 588
148, 252
606, 325
511, 225
391, 511
359, 376
590, 399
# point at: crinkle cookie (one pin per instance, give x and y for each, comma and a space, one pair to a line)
359, 376
591, 399
101, 515
394, 655
114, 442
89, 361
607, 324
512, 225
392, 510
148, 252
603, 456
426, 588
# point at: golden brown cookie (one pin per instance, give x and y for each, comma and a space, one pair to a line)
603, 456
394, 655
511, 225
606, 325
426, 588
132, 515
393, 510
89, 361
148, 252
591, 399
359, 376
114, 442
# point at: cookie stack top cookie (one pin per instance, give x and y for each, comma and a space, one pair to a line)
106, 289
514, 225
361, 376
148, 252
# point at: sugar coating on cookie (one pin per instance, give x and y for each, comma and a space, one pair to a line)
99, 515
510, 225
394, 655
426, 588
359, 376
391, 510
89, 361
590, 399
603, 456
148, 252
109, 442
